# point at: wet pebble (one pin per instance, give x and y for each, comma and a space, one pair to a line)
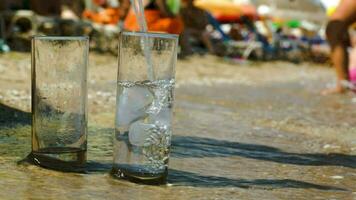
256, 128
330, 146
337, 177
104, 94
16, 95
353, 100
95, 102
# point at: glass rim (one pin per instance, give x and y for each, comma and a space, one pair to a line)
43, 37
151, 34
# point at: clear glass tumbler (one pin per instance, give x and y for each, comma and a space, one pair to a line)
59, 102
146, 78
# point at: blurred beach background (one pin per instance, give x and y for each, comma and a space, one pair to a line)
249, 120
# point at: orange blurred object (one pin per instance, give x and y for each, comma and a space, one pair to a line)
225, 7
227, 10
155, 22
106, 16
244, 10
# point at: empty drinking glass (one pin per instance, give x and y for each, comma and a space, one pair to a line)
145, 86
59, 102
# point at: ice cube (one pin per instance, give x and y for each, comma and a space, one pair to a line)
132, 104
163, 118
139, 132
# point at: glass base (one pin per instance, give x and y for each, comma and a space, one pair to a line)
61, 159
137, 174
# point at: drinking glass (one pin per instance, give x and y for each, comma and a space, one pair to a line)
146, 77
59, 102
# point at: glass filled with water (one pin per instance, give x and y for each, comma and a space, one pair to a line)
146, 77
59, 102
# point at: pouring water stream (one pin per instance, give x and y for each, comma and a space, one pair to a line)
139, 12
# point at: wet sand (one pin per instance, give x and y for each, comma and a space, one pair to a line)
254, 131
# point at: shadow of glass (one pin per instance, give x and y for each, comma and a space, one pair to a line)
198, 147
98, 167
184, 146
10, 117
183, 178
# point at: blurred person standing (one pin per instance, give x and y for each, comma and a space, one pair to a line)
195, 26
352, 58
338, 37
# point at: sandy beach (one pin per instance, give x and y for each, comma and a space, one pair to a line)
261, 131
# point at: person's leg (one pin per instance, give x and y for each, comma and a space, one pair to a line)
337, 35
186, 47
205, 37
202, 36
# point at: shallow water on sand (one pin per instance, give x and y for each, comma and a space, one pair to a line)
252, 138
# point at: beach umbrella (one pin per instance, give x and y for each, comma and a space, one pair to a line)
228, 10
312, 10
227, 7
